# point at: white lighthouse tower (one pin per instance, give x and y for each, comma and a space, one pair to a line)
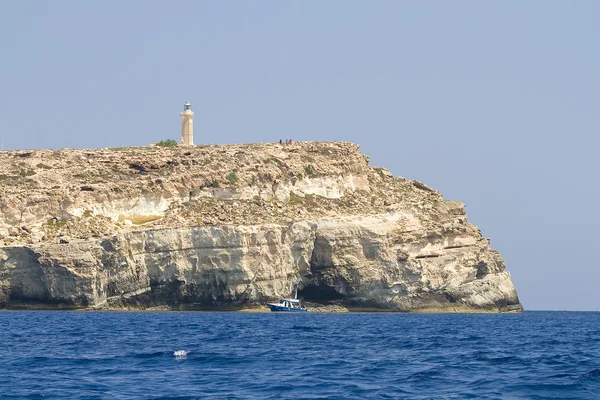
187, 125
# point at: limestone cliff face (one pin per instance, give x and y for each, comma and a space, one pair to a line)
235, 226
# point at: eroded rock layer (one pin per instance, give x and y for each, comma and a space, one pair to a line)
235, 226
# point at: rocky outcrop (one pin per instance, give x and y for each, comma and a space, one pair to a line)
234, 226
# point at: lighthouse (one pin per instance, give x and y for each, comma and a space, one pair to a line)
187, 125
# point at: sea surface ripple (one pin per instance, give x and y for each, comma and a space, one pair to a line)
236, 355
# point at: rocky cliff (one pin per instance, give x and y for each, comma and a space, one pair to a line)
235, 226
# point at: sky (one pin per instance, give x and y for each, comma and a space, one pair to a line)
495, 104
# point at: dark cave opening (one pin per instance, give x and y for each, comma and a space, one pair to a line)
319, 293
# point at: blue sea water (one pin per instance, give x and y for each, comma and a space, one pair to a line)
236, 355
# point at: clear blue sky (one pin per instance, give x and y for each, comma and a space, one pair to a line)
496, 104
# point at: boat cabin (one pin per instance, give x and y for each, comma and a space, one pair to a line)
291, 303
287, 305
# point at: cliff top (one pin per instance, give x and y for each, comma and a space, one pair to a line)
61, 195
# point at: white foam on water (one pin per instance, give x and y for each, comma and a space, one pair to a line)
179, 354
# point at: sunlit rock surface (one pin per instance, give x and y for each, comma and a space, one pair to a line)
233, 226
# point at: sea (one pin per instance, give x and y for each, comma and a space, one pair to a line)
242, 355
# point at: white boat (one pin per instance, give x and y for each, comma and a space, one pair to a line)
288, 305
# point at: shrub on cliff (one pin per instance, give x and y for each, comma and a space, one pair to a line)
213, 183
232, 178
167, 143
309, 170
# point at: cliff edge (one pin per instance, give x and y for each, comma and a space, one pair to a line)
233, 226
